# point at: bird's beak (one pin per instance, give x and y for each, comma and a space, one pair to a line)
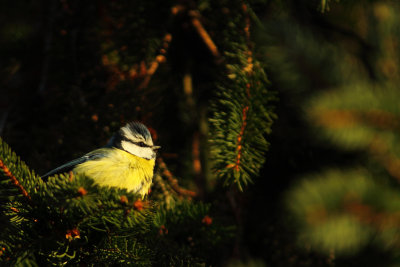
155, 147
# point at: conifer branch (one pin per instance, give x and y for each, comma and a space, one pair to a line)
391, 163
364, 213
138, 70
338, 118
248, 69
236, 165
158, 179
247, 23
368, 215
241, 114
173, 181
14, 180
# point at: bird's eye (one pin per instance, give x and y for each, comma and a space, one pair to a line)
141, 144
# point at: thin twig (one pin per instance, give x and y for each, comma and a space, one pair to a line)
236, 165
173, 181
160, 58
203, 33
195, 20
14, 180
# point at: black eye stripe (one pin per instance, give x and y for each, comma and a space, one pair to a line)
140, 143
123, 138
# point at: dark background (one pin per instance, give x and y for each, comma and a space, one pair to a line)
63, 94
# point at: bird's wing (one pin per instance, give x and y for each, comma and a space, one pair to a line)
70, 165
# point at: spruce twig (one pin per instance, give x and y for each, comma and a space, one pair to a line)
241, 116
173, 181
236, 165
14, 180
248, 70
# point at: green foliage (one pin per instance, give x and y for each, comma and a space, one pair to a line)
55, 218
358, 115
70, 220
96, 65
343, 211
196, 234
240, 122
242, 110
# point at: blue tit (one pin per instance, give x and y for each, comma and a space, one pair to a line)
127, 161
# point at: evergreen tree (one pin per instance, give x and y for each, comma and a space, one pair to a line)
242, 179
150, 57
346, 205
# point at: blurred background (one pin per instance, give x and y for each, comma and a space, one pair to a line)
72, 72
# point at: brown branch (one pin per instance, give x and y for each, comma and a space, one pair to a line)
203, 33
247, 24
167, 194
162, 184
195, 20
14, 180
368, 215
160, 58
236, 165
364, 213
337, 118
381, 119
248, 70
173, 181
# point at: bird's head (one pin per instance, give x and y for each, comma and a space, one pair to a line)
135, 139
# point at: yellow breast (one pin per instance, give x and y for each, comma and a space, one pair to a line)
120, 169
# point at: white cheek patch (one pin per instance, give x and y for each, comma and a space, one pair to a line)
143, 152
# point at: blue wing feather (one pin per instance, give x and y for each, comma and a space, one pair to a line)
71, 165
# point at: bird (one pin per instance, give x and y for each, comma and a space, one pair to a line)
127, 161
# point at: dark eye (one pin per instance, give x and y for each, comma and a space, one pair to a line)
141, 144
